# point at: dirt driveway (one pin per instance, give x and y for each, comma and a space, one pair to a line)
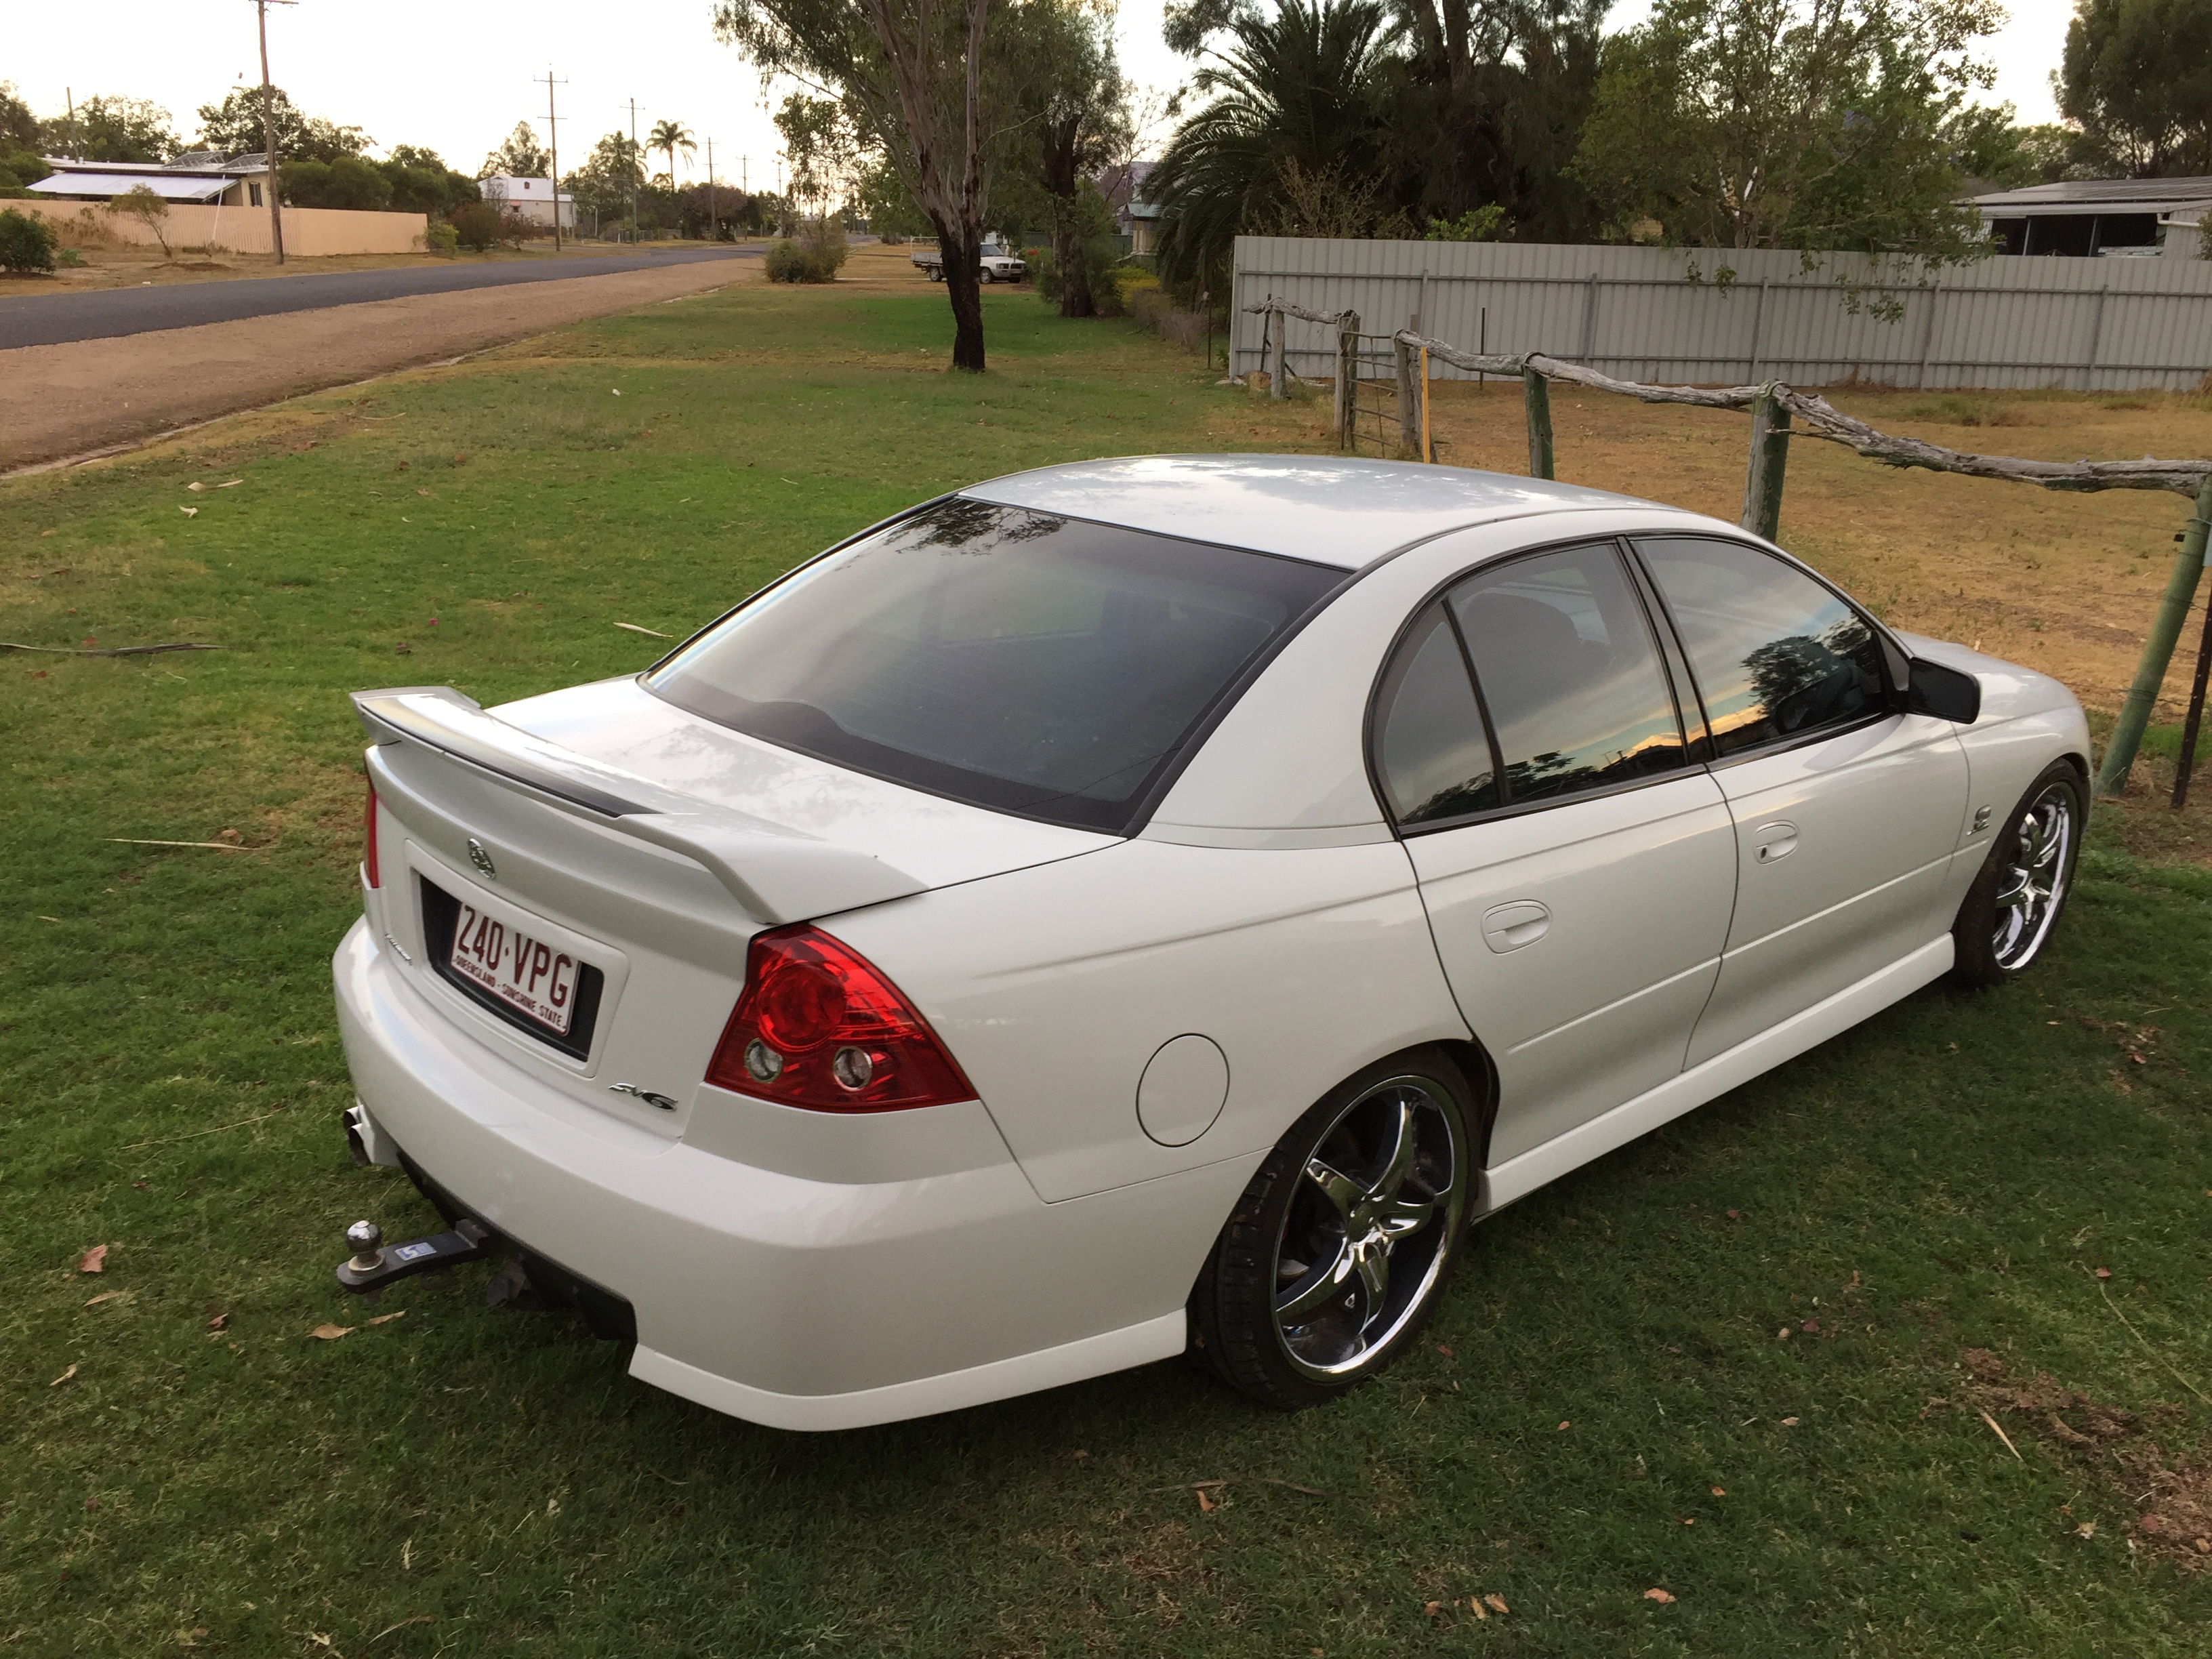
58, 401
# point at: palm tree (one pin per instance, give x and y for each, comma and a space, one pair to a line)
670, 137
1296, 130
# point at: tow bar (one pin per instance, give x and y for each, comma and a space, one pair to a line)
373, 1266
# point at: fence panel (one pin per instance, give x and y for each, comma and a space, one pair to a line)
1716, 316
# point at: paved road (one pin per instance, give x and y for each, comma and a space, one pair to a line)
55, 320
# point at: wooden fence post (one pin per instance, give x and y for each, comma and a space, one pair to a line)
1428, 443
1347, 378
1537, 394
2158, 650
1277, 379
1408, 422
1763, 471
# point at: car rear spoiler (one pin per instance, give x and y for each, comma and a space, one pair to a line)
777, 874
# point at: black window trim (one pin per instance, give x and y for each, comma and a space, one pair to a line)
1892, 698
1143, 806
1661, 634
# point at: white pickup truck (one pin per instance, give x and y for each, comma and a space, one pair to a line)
996, 264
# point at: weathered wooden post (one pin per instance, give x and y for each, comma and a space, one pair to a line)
2158, 649
1536, 392
1408, 427
2187, 763
1278, 379
1428, 443
1347, 378
1762, 473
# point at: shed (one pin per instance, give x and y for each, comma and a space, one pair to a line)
2098, 218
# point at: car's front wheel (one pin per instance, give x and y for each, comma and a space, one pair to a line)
2022, 888
1342, 1244
984, 275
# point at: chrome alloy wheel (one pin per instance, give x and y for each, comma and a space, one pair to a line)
2031, 881
1369, 1228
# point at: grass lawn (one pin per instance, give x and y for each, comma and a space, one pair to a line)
1744, 1362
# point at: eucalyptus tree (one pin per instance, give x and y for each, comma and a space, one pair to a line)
2137, 78
1075, 104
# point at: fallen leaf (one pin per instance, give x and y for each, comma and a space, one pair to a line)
1720, 1492
1782, 1335
190, 511
106, 1296
1433, 1608
403, 649
229, 836
1564, 1426
94, 1261
219, 1322
617, 391
2103, 1273
386, 1319
2086, 1529
195, 484
1205, 1504
1811, 1327
1496, 1604
2205, 1547
1080, 1452
1788, 1422
421, 492
1444, 1348
64, 1377
1689, 1523
1735, 1215
1475, 1603
635, 629
330, 1333
230, 483
1658, 1595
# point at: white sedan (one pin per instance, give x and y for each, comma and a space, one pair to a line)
1154, 905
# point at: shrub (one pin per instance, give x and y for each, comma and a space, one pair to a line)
475, 225
516, 228
10, 185
149, 208
441, 237
1102, 259
26, 242
813, 255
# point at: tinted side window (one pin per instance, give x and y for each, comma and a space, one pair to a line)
1776, 654
1569, 673
1432, 750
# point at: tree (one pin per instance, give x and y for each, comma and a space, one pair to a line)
422, 183
910, 75
347, 183
1290, 142
519, 156
20, 162
234, 126
2137, 77
886, 204
608, 181
669, 137
149, 208
113, 130
820, 144
1807, 124
1076, 121
27, 243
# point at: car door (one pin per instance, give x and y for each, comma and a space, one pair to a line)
1578, 865
1847, 808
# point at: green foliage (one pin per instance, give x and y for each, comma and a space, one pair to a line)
347, 183
815, 255
27, 243
476, 224
438, 237
605, 185
234, 127
19, 128
111, 129
1803, 123
519, 156
149, 207
2136, 77
1290, 143
1487, 224
887, 204
422, 183
1076, 104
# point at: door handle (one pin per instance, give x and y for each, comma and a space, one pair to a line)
1508, 926
1772, 842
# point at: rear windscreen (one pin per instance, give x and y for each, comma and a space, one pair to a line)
1042, 665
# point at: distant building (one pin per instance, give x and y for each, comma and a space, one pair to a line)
532, 198
1134, 217
2100, 218
203, 176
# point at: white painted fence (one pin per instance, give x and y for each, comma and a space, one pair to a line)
1752, 315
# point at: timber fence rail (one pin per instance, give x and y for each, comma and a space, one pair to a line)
1773, 407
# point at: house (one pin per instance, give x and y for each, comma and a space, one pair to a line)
201, 178
532, 198
2100, 218
1137, 219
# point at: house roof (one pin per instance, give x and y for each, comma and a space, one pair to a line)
79, 182
2088, 195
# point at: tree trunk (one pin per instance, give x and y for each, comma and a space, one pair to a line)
963, 252
1075, 298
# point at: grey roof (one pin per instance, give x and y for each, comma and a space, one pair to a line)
99, 186
1332, 509
2098, 195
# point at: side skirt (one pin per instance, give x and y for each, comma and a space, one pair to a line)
1517, 1177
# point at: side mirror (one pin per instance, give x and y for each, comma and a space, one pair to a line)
1946, 693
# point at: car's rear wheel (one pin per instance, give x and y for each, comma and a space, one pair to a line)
2022, 888
1344, 1239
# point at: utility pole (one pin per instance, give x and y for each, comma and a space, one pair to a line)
710, 186
633, 169
269, 128
76, 150
553, 148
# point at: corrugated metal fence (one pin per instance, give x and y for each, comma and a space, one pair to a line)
1752, 315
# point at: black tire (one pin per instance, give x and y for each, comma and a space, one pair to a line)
2012, 908
1409, 1212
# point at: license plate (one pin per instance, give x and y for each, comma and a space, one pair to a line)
501, 955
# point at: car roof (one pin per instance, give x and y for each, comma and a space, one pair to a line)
1328, 508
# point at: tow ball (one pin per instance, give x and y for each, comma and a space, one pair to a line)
373, 1264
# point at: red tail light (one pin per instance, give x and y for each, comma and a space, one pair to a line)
818, 1027
368, 849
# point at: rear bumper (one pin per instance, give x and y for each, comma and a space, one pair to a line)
792, 1301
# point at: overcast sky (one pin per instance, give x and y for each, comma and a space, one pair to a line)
456, 74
